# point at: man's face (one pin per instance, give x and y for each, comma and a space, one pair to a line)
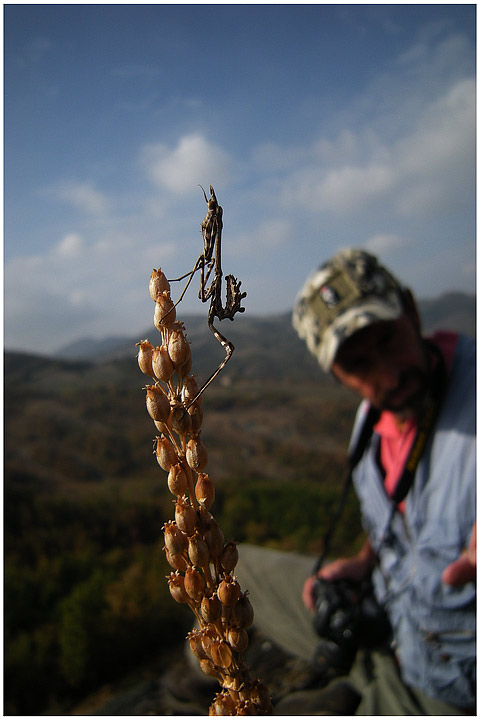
386, 364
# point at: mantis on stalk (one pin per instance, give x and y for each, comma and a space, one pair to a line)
210, 261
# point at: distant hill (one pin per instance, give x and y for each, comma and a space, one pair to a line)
254, 337
451, 311
264, 347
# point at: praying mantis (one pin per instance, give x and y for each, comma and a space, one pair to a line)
208, 262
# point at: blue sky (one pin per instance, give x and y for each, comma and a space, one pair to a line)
320, 127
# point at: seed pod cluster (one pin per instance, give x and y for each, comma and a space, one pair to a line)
203, 563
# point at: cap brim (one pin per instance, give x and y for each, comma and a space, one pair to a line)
358, 317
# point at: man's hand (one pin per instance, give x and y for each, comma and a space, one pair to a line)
354, 568
464, 569
307, 593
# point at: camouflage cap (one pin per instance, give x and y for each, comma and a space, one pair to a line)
347, 293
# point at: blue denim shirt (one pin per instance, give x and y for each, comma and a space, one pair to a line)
433, 623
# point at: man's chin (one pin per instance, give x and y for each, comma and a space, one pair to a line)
409, 398
406, 408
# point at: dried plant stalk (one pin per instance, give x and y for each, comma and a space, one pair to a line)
203, 564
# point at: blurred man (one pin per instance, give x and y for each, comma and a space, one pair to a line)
415, 480
363, 327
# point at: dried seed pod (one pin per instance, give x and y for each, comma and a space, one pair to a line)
209, 668
177, 588
177, 562
157, 284
242, 614
198, 551
161, 364
196, 414
177, 480
229, 557
145, 357
178, 347
209, 636
185, 516
165, 313
186, 366
214, 538
195, 641
165, 452
196, 454
222, 705
210, 608
194, 584
229, 590
221, 654
161, 427
205, 517
175, 539
190, 390
237, 639
204, 490
158, 406
181, 420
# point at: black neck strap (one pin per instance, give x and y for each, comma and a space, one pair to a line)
425, 425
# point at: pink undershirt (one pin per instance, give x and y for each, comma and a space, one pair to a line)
396, 442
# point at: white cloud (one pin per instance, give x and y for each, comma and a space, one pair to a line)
269, 235
417, 173
435, 162
191, 163
82, 196
275, 233
450, 53
71, 245
349, 187
351, 147
81, 289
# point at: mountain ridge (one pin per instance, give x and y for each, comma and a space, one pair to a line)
450, 311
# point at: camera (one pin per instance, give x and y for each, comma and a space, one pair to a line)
347, 616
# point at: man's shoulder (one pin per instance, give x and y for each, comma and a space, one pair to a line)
459, 406
464, 359
466, 344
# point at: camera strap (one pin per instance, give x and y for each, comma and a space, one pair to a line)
425, 425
